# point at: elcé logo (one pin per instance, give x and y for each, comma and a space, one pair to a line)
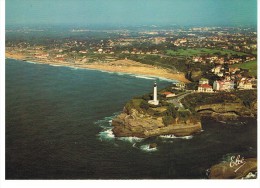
237, 161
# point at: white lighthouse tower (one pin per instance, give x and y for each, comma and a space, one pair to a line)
155, 100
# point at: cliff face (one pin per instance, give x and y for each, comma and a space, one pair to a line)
134, 123
224, 111
223, 105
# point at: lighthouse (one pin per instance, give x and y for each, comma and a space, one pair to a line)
155, 100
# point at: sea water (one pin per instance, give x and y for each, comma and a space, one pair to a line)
58, 126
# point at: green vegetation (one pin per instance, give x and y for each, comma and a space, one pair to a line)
175, 64
202, 51
184, 115
156, 60
134, 104
144, 105
247, 97
169, 113
250, 65
167, 120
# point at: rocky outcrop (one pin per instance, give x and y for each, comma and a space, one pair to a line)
224, 111
152, 145
225, 171
135, 123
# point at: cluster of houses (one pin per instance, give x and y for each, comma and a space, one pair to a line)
175, 86
226, 85
41, 55
230, 78
220, 60
135, 51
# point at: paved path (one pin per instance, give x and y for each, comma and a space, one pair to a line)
176, 101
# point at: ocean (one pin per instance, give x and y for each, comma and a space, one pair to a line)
58, 126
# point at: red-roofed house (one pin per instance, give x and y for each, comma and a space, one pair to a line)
205, 88
168, 94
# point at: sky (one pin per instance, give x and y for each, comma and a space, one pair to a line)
132, 12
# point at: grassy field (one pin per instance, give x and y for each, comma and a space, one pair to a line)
250, 65
202, 51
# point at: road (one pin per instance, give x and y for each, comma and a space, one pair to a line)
176, 101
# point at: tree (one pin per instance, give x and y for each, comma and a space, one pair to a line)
171, 111
184, 115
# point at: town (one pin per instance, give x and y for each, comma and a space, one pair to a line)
213, 58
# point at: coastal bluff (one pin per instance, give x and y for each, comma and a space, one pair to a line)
225, 111
223, 106
139, 124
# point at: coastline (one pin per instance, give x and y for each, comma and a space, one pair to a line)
119, 66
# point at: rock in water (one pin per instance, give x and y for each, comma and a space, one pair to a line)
224, 171
152, 145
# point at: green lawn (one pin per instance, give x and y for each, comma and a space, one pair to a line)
250, 65
201, 51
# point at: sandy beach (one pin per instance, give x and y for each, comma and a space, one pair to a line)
123, 66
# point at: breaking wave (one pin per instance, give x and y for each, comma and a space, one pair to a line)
131, 139
145, 77
106, 135
171, 136
147, 148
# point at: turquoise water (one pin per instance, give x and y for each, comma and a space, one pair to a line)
58, 127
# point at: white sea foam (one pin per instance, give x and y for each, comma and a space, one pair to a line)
166, 79
147, 148
32, 62
251, 175
106, 135
130, 139
171, 136
120, 73
75, 68
103, 71
145, 77
106, 119
55, 65
134, 146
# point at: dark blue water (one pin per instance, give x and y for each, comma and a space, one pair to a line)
58, 127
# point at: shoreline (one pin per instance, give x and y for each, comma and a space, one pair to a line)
120, 66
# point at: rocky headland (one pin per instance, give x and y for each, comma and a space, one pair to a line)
140, 119
141, 125
138, 122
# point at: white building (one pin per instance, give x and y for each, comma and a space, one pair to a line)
245, 85
155, 100
224, 85
216, 70
205, 88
